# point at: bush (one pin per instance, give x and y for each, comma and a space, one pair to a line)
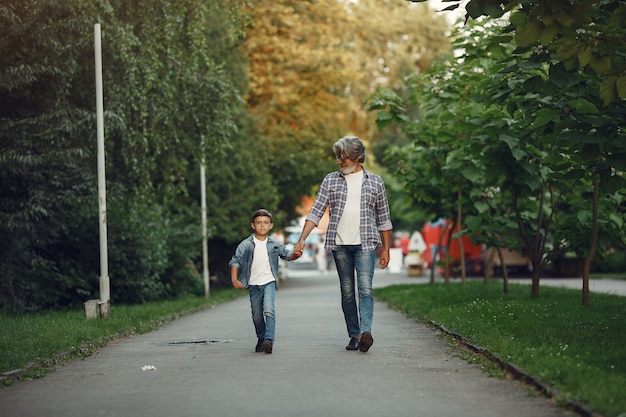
613, 262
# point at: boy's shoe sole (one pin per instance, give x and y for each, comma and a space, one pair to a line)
365, 342
267, 346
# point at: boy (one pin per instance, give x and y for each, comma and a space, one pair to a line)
257, 257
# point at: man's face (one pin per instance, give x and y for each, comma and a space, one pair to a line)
347, 165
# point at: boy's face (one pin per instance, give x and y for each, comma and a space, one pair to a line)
262, 225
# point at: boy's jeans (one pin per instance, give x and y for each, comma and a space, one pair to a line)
262, 302
349, 258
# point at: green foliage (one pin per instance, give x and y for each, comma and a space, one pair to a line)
507, 133
174, 79
584, 36
578, 350
612, 262
138, 251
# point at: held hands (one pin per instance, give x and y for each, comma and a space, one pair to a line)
298, 249
295, 255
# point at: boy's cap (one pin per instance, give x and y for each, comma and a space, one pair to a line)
261, 212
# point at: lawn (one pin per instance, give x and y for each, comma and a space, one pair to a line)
580, 351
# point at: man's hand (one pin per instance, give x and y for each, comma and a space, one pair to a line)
299, 249
237, 284
384, 259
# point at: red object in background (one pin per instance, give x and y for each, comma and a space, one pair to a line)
431, 232
404, 244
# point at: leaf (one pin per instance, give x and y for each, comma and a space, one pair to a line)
608, 92
534, 84
584, 217
481, 206
528, 33
620, 83
518, 18
472, 173
600, 65
583, 106
584, 55
543, 117
560, 77
617, 219
567, 48
565, 18
549, 32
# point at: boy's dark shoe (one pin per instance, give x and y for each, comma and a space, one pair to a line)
366, 341
353, 344
259, 346
267, 346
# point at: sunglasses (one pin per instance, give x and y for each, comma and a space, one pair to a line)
342, 157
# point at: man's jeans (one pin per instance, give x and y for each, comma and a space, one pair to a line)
348, 259
263, 316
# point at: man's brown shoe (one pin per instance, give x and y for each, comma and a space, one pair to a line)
366, 340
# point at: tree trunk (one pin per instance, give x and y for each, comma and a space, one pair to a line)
489, 267
446, 273
505, 273
534, 290
533, 246
459, 222
594, 239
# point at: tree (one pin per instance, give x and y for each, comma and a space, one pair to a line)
313, 63
516, 143
174, 80
584, 40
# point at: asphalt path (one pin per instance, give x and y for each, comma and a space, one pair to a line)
205, 365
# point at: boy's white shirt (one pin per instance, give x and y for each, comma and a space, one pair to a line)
349, 226
260, 271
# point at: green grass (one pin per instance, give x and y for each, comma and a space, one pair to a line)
580, 351
41, 338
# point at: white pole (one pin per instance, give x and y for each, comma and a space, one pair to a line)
205, 248
104, 261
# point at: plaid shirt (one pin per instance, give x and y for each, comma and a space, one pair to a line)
374, 208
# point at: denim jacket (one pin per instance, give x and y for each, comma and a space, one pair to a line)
242, 259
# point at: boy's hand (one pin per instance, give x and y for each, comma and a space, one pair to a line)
237, 284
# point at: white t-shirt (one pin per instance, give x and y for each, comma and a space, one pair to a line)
349, 226
260, 271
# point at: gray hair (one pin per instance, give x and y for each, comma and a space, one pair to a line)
351, 146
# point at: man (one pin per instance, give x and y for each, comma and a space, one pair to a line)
359, 226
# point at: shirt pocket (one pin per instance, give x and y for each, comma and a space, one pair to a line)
369, 197
336, 193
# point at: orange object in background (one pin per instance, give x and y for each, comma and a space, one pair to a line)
431, 232
304, 208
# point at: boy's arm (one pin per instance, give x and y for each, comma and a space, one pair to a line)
233, 277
